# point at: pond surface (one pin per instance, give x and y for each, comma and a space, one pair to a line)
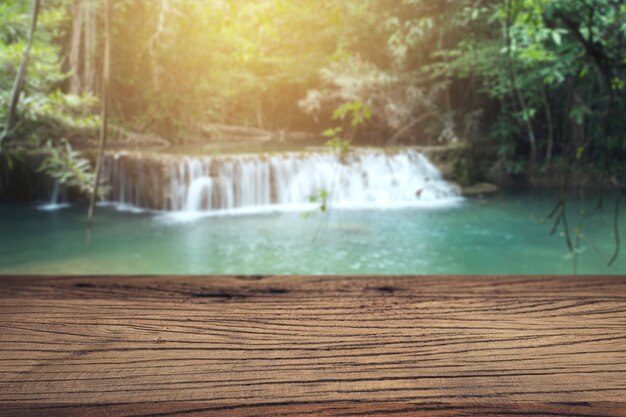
500, 235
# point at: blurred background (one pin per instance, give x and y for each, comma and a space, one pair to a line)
321, 136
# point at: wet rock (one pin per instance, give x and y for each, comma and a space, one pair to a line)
480, 189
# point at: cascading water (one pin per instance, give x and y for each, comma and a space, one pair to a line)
366, 179
58, 198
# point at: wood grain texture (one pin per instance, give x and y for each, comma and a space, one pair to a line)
308, 346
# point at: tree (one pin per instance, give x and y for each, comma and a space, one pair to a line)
104, 113
83, 47
42, 121
21, 74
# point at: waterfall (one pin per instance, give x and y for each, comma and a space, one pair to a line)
365, 179
57, 200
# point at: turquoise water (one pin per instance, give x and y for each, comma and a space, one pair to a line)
501, 235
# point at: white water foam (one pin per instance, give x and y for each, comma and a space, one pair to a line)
56, 199
188, 188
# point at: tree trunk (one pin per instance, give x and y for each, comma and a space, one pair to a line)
91, 46
21, 74
518, 94
550, 122
153, 44
104, 113
75, 45
83, 47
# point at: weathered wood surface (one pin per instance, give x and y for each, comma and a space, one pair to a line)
308, 346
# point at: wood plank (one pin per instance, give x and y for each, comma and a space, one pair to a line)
330, 346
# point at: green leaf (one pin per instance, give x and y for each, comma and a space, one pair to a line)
332, 132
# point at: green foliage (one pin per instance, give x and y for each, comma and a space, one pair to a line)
358, 114
340, 146
336, 143
321, 200
356, 111
55, 116
47, 117
245, 62
63, 163
332, 132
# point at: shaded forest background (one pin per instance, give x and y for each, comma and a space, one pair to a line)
538, 85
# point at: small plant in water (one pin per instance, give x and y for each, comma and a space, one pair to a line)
336, 143
358, 113
321, 200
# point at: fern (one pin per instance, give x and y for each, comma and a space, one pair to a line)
70, 168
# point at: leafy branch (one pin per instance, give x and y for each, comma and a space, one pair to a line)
70, 168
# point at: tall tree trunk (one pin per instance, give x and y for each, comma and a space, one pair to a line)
91, 47
513, 79
21, 74
75, 47
104, 113
83, 47
153, 44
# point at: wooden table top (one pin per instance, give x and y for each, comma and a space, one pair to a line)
312, 346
